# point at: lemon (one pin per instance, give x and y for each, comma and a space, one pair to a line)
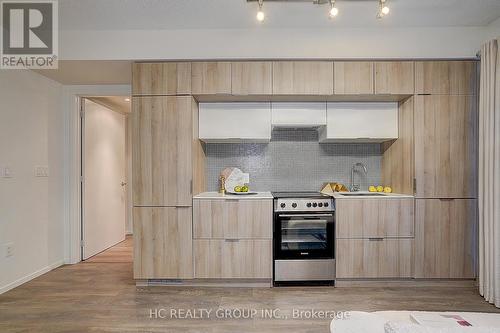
237, 189
380, 188
372, 189
244, 188
387, 189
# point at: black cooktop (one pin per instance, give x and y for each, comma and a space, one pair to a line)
298, 195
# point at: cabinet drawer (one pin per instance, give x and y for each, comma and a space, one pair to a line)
365, 218
376, 258
232, 218
228, 259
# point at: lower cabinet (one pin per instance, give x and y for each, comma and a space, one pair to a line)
233, 258
163, 245
375, 258
446, 238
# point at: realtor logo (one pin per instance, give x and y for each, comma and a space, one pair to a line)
29, 34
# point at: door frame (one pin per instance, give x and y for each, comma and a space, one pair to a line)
71, 102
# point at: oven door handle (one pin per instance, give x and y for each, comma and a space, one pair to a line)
305, 215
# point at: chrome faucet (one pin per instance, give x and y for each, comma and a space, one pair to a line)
355, 187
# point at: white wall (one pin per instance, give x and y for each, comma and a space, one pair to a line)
432, 42
31, 209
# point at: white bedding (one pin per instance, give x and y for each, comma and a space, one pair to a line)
400, 322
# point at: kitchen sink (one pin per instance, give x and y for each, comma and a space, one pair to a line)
361, 194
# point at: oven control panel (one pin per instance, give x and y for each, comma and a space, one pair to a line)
304, 205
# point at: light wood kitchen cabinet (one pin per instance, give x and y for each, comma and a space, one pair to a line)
165, 151
234, 219
163, 245
353, 77
372, 218
251, 78
446, 77
161, 78
394, 78
374, 258
303, 78
398, 155
446, 238
446, 146
233, 258
211, 78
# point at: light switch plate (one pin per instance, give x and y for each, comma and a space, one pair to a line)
7, 172
41, 171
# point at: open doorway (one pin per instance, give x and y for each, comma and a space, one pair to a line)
105, 169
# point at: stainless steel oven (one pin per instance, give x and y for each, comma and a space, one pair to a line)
304, 239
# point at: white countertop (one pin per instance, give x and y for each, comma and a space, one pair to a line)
338, 195
228, 196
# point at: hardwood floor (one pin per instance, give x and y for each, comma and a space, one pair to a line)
121, 252
102, 297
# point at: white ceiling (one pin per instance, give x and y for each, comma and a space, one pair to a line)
238, 14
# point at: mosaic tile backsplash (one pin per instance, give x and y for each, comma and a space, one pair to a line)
294, 160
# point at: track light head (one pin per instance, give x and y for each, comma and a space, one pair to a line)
333, 10
260, 14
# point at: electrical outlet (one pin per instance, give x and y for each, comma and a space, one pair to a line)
41, 171
7, 172
9, 250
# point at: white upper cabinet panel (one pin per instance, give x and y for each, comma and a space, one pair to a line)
307, 114
360, 122
235, 122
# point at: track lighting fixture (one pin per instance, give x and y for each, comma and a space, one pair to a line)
383, 9
260, 14
333, 10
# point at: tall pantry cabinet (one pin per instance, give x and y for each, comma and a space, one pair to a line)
446, 146
168, 168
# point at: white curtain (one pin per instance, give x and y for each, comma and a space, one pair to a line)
489, 174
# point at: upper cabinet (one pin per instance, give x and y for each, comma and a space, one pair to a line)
360, 122
211, 78
306, 114
235, 122
303, 78
394, 78
446, 146
162, 152
446, 77
251, 78
353, 77
167, 78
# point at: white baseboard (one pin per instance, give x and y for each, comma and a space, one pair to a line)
29, 277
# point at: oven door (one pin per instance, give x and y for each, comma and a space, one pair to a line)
304, 236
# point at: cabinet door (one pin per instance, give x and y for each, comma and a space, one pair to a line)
232, 218
446, 232
211, 78
446, 146
303, 78
233, 258
167, 78
365, 218
235, 122
375, 258
163, 243
446, 77
353, 77
251, 78
394, 78
162, 137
